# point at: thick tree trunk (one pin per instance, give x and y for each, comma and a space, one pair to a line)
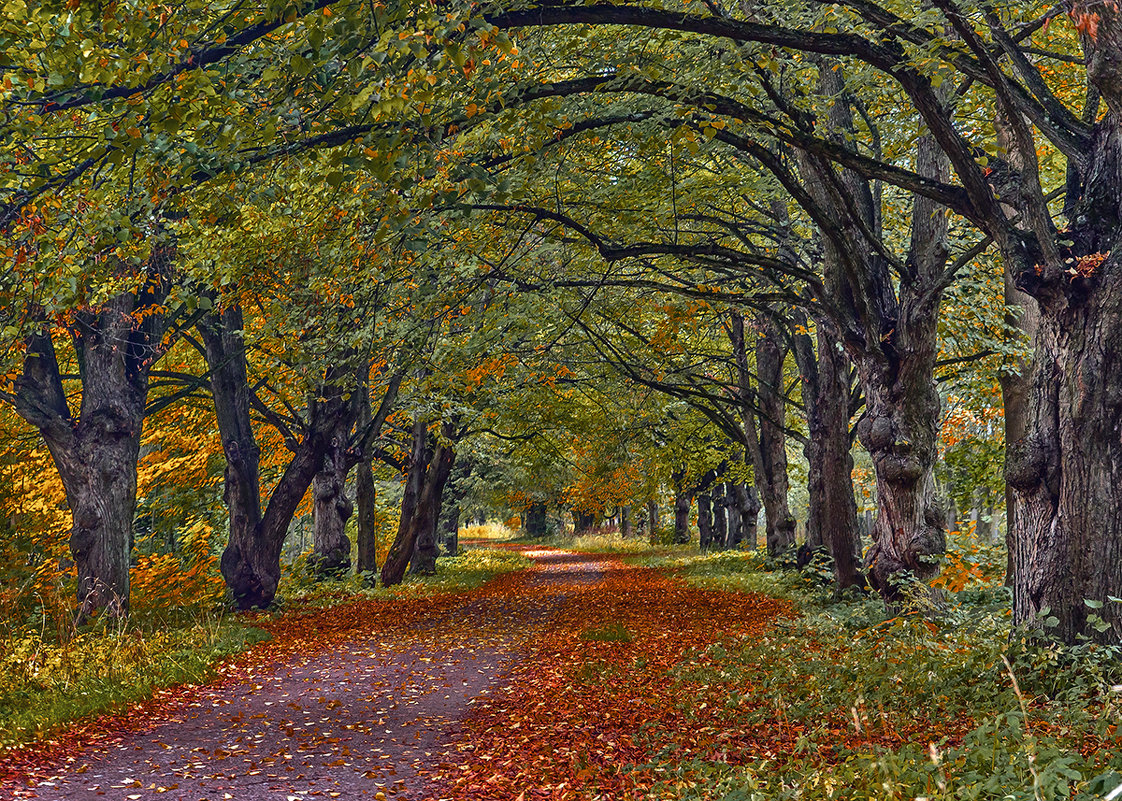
535, 524
626, 528
96, 455
749, 503
682, 503
770, 458
331, 550
900, 428
832, 513
366, 540
454, 494
401, 550
652, 519
720, 533
427, 514
98, 467
735, 534
704, 520
251, 560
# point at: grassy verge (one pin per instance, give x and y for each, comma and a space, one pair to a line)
608, 542
46, 683
848, 705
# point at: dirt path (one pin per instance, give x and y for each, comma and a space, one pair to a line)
351, 716
555, 683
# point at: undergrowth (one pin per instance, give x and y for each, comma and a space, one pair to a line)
847, 704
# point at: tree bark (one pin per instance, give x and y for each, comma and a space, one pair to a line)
96, 455
682, 503
331, 550
772, 478
455, 492
704, 520
832, 513
366, 538
415, 543
401, 550
535, 519
749, 502
652, 519
251, 560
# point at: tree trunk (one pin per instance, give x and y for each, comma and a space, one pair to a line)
401, 550
749, 503
682, 502
583, 521
832, 514
652, 520
720, 533
251, 560
1066, 471
770, 457
331, 550
735, 534
626, 529
455, 492
704, 520
96, 455
366, 537
535, 519
366, 541
428, 509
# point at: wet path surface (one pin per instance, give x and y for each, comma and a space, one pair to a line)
349, 717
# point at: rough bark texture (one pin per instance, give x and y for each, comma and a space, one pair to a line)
427, 515
1066, 470
705, 520
331, 549
682, 503
401, 550
769, 457
428, 471
748, 502
454, 495
96, 454
832, 513
735, 534
251, 560
366, 538
652, 519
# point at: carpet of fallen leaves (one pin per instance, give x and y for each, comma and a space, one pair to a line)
580, 714
608, 684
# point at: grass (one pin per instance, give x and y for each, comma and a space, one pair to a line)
44, 685
953, 705
603, 541
47, 682
609, 632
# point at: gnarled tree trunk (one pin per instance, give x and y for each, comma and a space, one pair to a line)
251, 560
331, 550
96, 455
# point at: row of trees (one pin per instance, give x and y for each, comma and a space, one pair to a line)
328, 213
